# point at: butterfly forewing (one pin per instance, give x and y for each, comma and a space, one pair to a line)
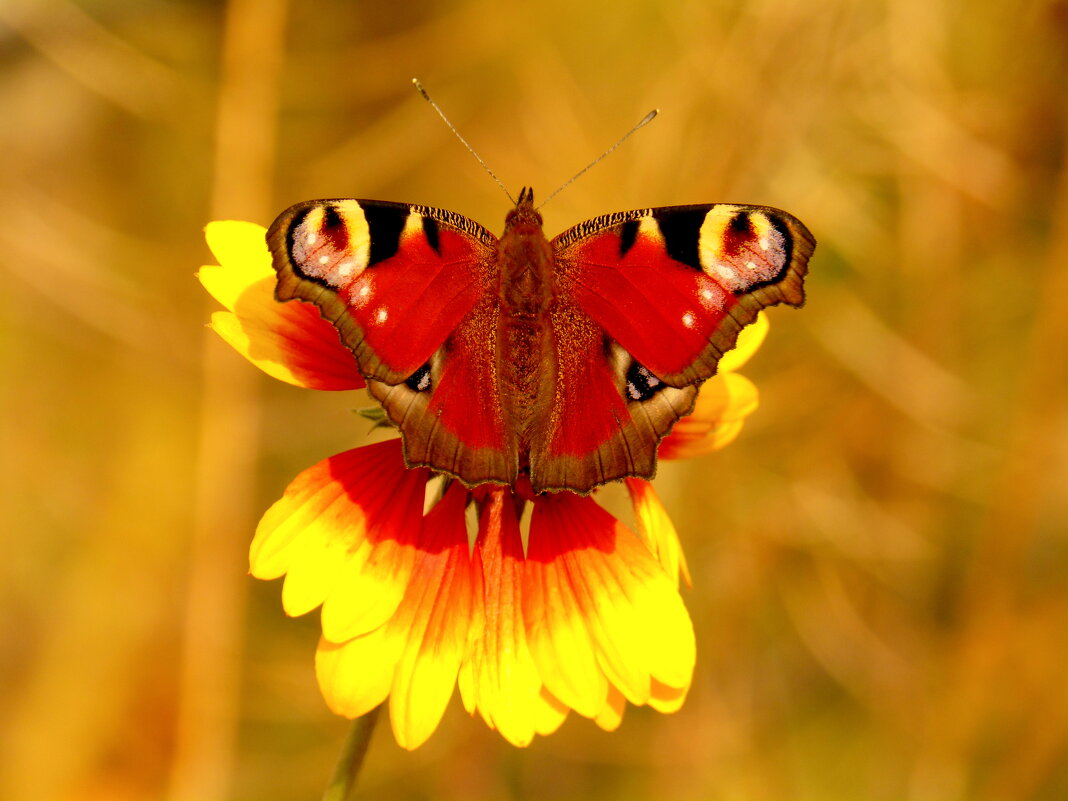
395, 279
674, 286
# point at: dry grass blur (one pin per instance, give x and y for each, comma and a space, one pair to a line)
880, 562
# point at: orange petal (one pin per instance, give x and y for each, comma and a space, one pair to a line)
656, 529
289, 341
441, 605
348, 522
639, 628
501, 680
723, 403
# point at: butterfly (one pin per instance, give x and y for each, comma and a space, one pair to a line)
564, 362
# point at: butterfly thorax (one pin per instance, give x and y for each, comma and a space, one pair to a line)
525, 355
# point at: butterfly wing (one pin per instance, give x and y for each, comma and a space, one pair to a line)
650, 301
410, 290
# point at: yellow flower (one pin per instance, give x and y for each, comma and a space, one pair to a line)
582, 614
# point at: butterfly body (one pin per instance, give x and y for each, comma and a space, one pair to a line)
525, 352
562, 361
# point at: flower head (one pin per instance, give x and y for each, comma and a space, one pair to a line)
532, 605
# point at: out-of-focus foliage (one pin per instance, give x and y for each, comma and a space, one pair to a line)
880, 562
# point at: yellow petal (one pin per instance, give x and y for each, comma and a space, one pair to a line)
559, 639
749, 340
632, 611
349, 521
437, 613
504, 677
549, 714
288, 341
667, 699
356, 676
611, 714
241, 248
656, 530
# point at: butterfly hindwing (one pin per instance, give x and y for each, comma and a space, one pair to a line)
450, 410
607, 412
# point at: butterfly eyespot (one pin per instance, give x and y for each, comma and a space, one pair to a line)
642, 384
419, 381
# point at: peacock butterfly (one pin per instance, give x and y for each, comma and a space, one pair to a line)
565, 361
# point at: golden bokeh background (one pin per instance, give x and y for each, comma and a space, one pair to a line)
880, 561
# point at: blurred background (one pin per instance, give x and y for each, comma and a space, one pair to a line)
880, 559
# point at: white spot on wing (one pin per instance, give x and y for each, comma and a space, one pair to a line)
726, 273
688, 319
381, 315
312, 239
712, 297
324, 260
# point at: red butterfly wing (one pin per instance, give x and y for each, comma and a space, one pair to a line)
412, 293
606, 417
648, 302
393, 278
674, 286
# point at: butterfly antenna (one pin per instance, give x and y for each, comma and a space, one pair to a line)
471, 150
648, 118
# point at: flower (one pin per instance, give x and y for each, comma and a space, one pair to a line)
531, 605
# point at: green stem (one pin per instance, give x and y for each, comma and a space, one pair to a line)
343, 782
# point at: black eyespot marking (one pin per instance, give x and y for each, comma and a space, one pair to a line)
741, 224
738, 233
334, 229
682, 235
430, 231
384, 224
419, 381
331, 217
641, 384
628, 235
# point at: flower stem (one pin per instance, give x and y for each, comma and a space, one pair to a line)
343, 782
